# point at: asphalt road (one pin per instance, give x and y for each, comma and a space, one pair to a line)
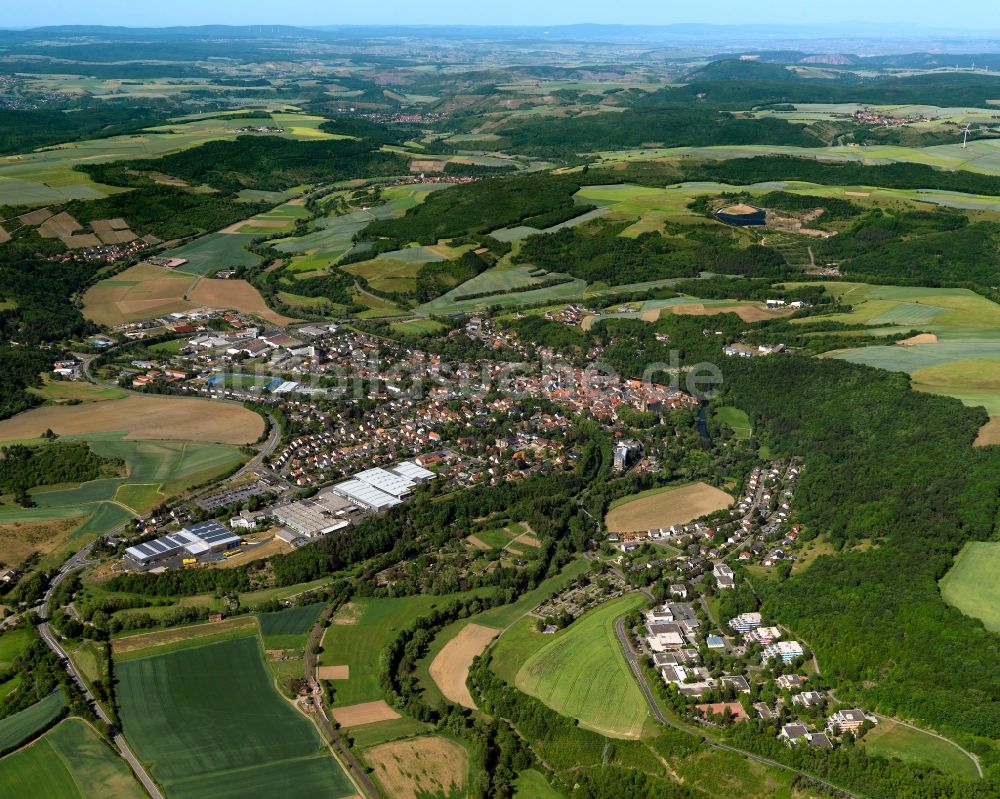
79, 560
633, 658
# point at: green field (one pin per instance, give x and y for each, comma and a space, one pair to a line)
581, 672
68, 762
288, 629
736, 419
972, 586
891, 739
207, 254
359, 645
417, 327
531, 784
380, 732
210, 725
12, 643
517, 280
22, 725
498, 538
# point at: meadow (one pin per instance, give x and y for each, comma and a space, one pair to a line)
891, 739
210, 725
67, 517
414, 768
69, 762
222, 250
531, 784
289, 628
971, 585
359, 633
20, 726
665, 507
736, 419
581, 672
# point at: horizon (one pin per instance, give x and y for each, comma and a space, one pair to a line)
972, 17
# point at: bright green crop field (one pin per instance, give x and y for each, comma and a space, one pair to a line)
210, 725
581, 672
22, 725
68, 762
288, 629
972, 585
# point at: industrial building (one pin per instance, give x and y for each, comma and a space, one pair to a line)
196, 540
310, 518
366, 495
380, 489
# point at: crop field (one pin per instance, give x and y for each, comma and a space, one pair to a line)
891, 739
664, 507
972, 586
418, 327
450, 668
389, 276
65, 517
383, 731
135, 646
683, 306
141, 292
141, 418
236, 294
209, 724
22, 725
420, 767
69, 762
208, 254
277, 220
59, 391
517, 280
736, 419
581, 672
288, 629
372, 623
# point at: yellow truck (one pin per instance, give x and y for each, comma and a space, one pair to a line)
189, 561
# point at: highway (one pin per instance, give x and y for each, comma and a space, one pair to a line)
633, 658
79, 560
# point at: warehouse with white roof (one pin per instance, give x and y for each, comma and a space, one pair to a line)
366, 495
196, 540
388, 482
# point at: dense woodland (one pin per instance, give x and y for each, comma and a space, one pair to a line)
23, 468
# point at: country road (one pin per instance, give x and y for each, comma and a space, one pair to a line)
79, 560
633, 658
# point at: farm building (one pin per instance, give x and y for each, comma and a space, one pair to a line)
196, 540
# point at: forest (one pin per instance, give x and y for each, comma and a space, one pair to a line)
23, 468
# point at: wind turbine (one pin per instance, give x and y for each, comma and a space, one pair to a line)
965, 134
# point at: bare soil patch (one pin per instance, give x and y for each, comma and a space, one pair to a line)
364, 713
427, 166
667, 508
58, 226
478, 543
748, 313
735, 710
81, 241
989, 433
588, 322
35, 218
4, 235
133, 643
920, 338
450, 669
141, 418
425, 766
528, 540
236, 294
333, 672
109, 232
350, 613
857, 194
20, 539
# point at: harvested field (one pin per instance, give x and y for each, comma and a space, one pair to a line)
748, 313
109, 232
364, 713
20, 539
4, 235
58, 226
350, 613
236, 294
666, 507
426, 766
920, 338
647, 316
141, 292
174, 635
333, 672
141, 418
528, 540
478, 543
450, 669
427, 166
989, 433
35, 218
81, 241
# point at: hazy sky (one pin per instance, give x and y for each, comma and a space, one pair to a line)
967, 14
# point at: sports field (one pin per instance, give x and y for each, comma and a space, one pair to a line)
582, 673
891, 739
20, 726
210, 725
68, 762
420, 767
664, 507
972, 586
141, 417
